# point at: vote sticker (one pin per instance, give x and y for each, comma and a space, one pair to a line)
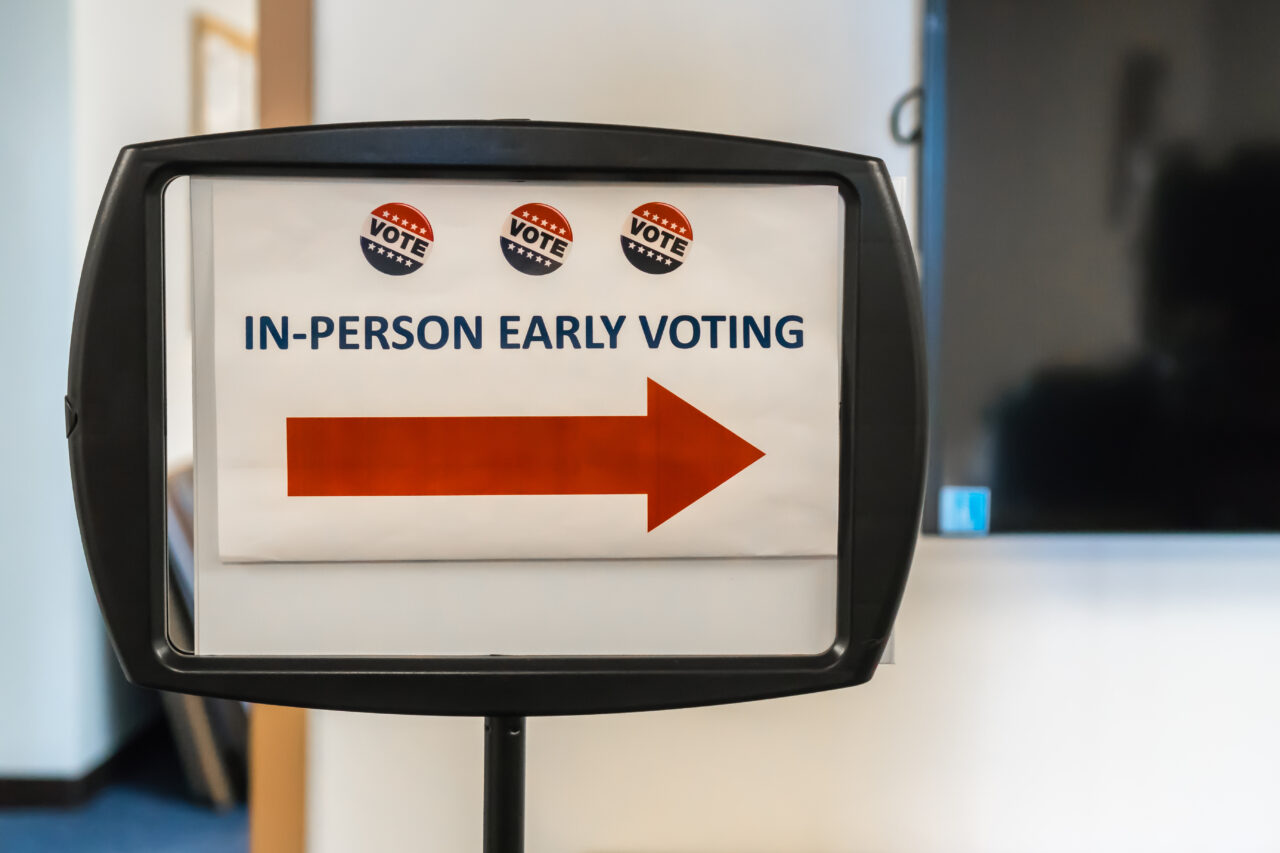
656, 238
396, 239
536, 239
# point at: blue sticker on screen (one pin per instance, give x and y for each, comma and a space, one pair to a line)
964, 509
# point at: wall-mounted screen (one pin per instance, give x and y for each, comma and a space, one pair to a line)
1102, 273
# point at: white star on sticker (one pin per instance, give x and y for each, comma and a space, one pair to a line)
545, 223
381, 251
682, 230
668, 262
409, 264
525, 214
511, 245
646, 213
547, 262
520, 251
631, 245
665, 222
395, 219
386, 213
651, 254
562, 231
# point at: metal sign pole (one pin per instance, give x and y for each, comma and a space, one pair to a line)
504, 784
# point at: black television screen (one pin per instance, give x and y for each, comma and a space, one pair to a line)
1101, 249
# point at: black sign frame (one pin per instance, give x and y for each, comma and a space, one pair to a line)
116, 417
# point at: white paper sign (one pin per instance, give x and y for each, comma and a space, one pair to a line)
445, 370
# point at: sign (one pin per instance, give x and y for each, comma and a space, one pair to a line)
429, 395
659, 444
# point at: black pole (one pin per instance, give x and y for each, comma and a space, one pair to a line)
504, 784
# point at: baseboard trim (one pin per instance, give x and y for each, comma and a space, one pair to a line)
36, 792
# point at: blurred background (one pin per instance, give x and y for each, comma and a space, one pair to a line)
1084, 656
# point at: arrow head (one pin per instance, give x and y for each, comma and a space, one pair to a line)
695, 454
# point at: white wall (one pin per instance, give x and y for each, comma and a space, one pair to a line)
132, 84
1088, 693
819, 72
80, 78
45, 605
64, 707
132, 81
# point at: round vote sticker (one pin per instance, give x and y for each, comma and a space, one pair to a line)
536, 239
396, 239
656, 238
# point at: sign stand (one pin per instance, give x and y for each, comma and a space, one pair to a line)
504, 784
786, 233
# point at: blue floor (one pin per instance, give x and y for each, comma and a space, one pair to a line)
144, 812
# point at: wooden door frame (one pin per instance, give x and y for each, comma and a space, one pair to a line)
278, 736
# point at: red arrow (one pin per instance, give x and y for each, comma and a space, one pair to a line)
675, 454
